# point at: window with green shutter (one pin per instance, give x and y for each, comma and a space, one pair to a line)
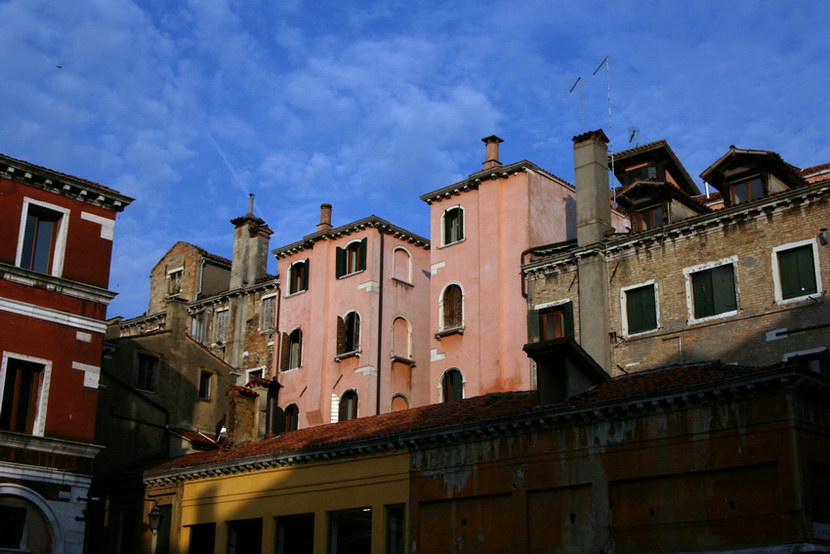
351, 259
556, 322
797, 271
640, 309
714, 291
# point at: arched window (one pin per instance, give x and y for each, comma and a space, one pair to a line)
348, 406
452, 385
401, 339
292, 417
291, 356
452, 307
348, 333
403, 265
298, 277
453, 225
351, 259
399, 402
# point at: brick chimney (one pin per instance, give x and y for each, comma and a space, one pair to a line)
491, 152
325, 217
251, 236
243, 415
593, 206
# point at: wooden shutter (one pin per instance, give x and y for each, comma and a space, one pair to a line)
341, 335
306, 269
641, 310
340, 262
702, 292
723, 289
459, 214
568, 319
362, 252
284, 352
355, 331
533, 326
797, 272
452, 307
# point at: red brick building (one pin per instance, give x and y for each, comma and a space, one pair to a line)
57, 233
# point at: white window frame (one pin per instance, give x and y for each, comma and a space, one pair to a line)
441, 326
291, 278
346, 260
170, 272
408, 355
690, 301
395, 264
39, 425
441, 383
444, 242
776, 271
216, 316
59, 254
302, 340
624, 307
262, 300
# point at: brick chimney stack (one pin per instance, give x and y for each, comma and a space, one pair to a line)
491, 153
325, 217
593, 205
251, 236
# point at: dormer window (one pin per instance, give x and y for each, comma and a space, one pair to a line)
644, 173
747, 190
651, 217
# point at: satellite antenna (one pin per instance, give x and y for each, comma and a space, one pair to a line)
578, 82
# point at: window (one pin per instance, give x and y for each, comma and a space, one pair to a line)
712, 289
453, 225
147, 373
205, 379
795, 275
644, 173
22, 385
267, 317
402, 270
348, 333
295, 534
197, 326
350, 531
651, 217
221, 328
747, 190
815, 359
42, 237
298, 277
13, 536
395, 529
401, 339
640, 308
399, 402
245, 536
202, 538
291, 356
351, 259
292, 417
452, 385
174, 281
452, 307
348, 406
556, 322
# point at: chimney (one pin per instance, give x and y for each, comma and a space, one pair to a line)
563, 369
242, 415
249, 261
491, 153
325, 217
593, 206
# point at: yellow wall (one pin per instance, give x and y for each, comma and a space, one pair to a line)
370, 482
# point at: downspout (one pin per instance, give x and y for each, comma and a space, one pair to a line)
380, 324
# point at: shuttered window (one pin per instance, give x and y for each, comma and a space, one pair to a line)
714, 291
797, 271
453, 225
452, 385
556, 322
640, 309
298, 277
291, 353
348, 406
452, 307
348, 333
350, 259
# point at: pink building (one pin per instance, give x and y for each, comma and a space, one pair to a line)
481, 227
352, 322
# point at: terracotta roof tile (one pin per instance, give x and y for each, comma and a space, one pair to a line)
68, 176
244, 391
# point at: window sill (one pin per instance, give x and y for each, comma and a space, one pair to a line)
402, 282
295, 293
723, 315
290, 369
347, 275
638, 334
784, 301
452, 243
344, 355
402, 360
447, 332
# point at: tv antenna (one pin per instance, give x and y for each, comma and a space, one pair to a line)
606, 61
634, 136
578, 83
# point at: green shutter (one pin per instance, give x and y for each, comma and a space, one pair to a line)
306, 267
568, 326
641, 309
533, 325
460, 223
723, 289
702, 292
340, 262
797, 272
362, 254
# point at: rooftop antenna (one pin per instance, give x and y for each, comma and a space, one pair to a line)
634, 136
251, 203
578, 82
606, 61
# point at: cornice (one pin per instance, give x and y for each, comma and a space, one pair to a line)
224, 296
57, 285
49, 444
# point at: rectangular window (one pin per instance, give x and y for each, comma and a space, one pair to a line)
197, 326
795, 276
147, 373
640, 309
42, 235
713, 290
202, 538
651, 218
174, 282
13, 537
453, 225
641, 174
350, 531
747, 190
205, 378
295, 534
245, 536
815, 359
21, 395
267, 320
556, 322
222, 325
395, 529
351, 259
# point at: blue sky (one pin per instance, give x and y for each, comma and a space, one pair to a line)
189, 105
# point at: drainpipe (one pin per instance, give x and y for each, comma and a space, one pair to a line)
380, 324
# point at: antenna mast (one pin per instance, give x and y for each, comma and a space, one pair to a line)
581, 101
